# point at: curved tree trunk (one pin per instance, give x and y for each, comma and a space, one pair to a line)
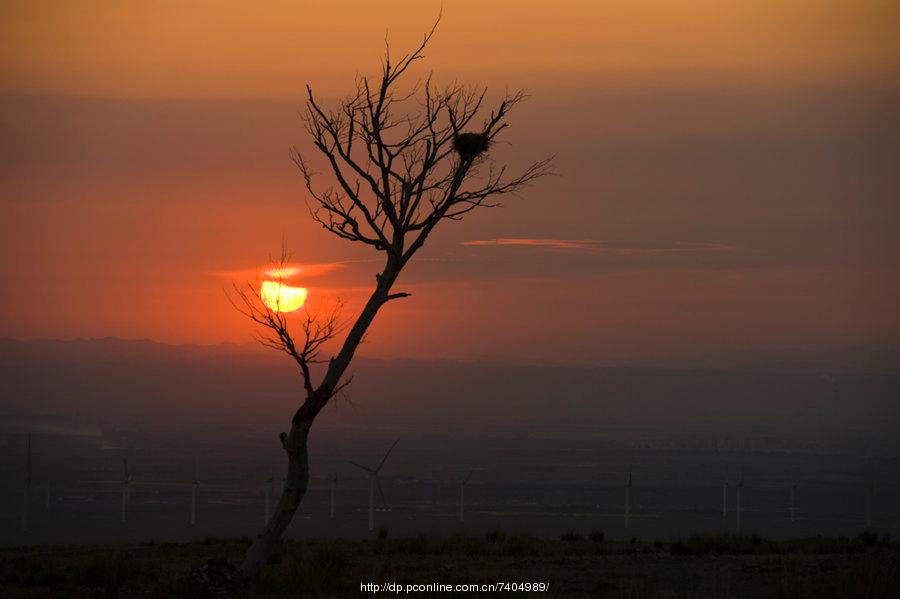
295, 485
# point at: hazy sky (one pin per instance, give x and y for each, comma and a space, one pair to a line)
727, 173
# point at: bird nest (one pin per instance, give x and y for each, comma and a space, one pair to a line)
470, 145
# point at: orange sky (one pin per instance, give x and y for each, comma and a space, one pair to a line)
226, 48
726, 181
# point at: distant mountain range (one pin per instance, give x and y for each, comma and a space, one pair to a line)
114, 382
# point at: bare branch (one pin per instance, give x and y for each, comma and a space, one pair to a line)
315, 329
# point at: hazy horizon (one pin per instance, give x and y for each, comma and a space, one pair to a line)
551, 444
794, 359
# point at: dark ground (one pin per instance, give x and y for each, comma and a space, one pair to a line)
575, 565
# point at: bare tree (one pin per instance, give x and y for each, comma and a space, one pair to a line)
401, 161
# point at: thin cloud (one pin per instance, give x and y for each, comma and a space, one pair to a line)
604, 248
288, 271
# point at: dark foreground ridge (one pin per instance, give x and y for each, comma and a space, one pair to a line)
575, 565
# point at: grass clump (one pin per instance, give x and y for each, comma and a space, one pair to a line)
522, 544
724, 544
570, 536
315, 570
495, 536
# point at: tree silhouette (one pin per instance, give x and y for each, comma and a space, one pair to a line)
401, 163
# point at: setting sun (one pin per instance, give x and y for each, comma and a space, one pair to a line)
280, 297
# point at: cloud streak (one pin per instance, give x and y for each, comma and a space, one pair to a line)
287, 271
604, 248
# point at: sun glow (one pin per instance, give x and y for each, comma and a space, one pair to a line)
280, 297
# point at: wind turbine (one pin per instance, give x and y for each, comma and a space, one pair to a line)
724, 497
195, 491
628, 500
126, 482
462, 497
331, 508
26, 487
870, 490
374, 482
268, 491
793, 503
870, 487
739, 486
195, 488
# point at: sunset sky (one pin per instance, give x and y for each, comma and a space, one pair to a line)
726, 173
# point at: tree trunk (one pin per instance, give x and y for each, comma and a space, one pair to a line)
295, 443
296, 483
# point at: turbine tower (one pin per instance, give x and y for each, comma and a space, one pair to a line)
724, 497
268, 491
26, 486
195, 491
462, 497
628, 500
126, 482
870, 485
737, 521
870, 490
331, 506
793, 503
374, 482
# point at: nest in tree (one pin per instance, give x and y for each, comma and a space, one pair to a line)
470, 145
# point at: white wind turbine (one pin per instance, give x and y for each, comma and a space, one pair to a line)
331, 507
737, 505
462, 496
124, 482
628, 500
793, 503
870, 491
26, 486
870, 485
724, 497
374, 482
195, 488
126, 490
195, 491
